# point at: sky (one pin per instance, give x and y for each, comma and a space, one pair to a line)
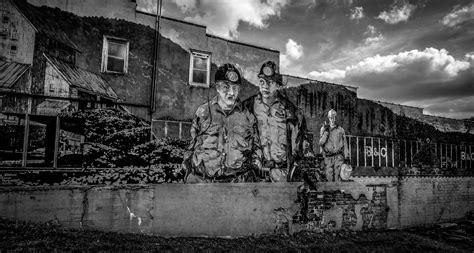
418, 53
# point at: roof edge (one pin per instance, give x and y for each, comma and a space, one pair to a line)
309, 79
48, 58
416, 107
169, 18
207, 34
22, 14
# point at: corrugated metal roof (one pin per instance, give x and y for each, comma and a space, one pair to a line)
10, 72
83, 79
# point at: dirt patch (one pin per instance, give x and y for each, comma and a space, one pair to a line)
25, 236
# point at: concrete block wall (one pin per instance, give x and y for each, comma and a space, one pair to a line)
245, 209
428, 200
165, 209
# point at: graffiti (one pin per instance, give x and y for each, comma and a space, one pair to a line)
466, 156
284, 219
322, 210
349, 217
374, 215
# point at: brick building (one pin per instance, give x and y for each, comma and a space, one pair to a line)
62, 56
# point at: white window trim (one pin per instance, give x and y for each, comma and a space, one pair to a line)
199, 53
105, 50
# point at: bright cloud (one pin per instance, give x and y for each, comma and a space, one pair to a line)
373, 36
223, 19
357, 13
400, 71
459, 15
285, 62
433, 61
293, 49
293, 52
397, 13
329, 76
185, 5
470, 56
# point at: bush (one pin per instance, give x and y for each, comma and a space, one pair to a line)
156, 174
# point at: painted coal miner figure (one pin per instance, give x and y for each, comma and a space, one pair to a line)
333, 147
223, 135
281, 126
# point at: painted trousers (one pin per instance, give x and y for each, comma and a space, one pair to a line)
332, 167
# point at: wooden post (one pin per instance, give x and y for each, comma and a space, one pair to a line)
56, 143
349, 147
372, 144
25, 140
393, 154
357, 150
365, 155
380, 154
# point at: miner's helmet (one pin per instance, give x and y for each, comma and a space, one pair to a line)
269, 71
228, 73
346, 171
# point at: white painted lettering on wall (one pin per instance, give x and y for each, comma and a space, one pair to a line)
371, 151
466, 156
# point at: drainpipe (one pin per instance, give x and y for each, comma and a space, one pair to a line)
156, 53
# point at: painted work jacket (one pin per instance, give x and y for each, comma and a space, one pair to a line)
281, 128
222, 142
333, 142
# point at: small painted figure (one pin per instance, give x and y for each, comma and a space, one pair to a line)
223, 135
333, 147
281, 126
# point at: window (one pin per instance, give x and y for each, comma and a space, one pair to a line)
115, 55
13, 50
200, 68
5, 17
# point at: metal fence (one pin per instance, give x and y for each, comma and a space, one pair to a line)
385, 152
171, 128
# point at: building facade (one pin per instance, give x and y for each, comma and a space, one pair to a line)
63, 56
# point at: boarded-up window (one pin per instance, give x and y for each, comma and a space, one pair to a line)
13, 32
200, 68
115, 55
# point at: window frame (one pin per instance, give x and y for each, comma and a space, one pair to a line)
202, 54
105, 54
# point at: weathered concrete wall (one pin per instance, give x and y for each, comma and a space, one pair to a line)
409, 111
440, 123
427, 200
167, 209
19, 33
244, 209
449, 125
